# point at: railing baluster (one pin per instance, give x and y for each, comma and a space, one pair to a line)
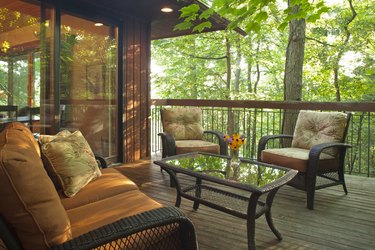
269, 121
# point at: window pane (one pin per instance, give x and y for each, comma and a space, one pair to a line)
19, 29
87, 81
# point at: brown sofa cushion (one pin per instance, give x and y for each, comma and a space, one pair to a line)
73, 161
110, 183
187, 146
29, 201
183, 123
297, 158
91, 216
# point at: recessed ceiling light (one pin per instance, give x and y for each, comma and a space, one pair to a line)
98, 24
166, 9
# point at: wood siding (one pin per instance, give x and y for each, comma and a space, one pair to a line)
136, 138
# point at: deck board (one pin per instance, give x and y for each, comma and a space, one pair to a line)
338, 221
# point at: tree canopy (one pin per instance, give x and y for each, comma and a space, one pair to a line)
339, 53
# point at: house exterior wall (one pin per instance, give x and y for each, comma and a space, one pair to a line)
136, 94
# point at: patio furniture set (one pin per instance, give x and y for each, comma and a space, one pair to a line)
55, 194
314, 160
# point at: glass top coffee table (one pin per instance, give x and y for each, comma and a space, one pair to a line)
235, 190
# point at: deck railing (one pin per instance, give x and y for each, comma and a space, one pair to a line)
258, 118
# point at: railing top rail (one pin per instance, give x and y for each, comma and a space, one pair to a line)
291, 105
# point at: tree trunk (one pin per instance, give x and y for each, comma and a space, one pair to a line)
230, 122
293, 69
237, 73
342, 50
249, 83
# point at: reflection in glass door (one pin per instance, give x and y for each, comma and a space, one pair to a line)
88, 81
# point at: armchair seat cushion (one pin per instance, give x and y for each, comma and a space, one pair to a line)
187, 146
297, 158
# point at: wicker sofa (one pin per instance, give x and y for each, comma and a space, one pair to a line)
109, 212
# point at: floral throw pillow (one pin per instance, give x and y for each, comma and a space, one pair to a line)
43, 139
72, 160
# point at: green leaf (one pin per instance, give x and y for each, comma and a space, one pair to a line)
261, 16
253, 26
313, 18
187, 11
282, 26
183, 26
233, 25
206, 14
200, 27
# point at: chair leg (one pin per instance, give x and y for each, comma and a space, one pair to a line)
342, 179
344, 187
310, 190
310, 199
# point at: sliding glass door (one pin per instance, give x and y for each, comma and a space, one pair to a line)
88, 81
64, 64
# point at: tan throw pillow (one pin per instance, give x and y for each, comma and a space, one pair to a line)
73, 161
29, 203
183, 123
47, 138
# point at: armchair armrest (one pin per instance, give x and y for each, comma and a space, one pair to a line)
220, 137
162, 228
265, 139
101, 161
316, 150
168, 144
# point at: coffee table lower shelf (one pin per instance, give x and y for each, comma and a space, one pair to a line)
249, 208
225, 201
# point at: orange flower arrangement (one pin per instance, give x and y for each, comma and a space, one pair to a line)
235, 141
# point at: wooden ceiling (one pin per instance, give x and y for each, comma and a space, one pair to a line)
162, 24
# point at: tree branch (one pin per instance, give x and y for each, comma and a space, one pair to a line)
318, 41
207, 57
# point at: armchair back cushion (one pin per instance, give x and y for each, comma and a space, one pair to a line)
29, 202
313, 128
183, 123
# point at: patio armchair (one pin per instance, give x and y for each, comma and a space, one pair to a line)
183, 133
317, 151
8, 111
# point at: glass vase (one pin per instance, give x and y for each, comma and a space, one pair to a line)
235, 163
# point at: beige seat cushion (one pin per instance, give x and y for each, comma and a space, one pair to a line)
73, 161
183, 123
110, 183
187, 146
29, 202
93, 215
297, 158
314, 128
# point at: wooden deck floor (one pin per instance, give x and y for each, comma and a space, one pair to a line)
338, 221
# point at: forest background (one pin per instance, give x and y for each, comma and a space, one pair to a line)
322, 51
338, 60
